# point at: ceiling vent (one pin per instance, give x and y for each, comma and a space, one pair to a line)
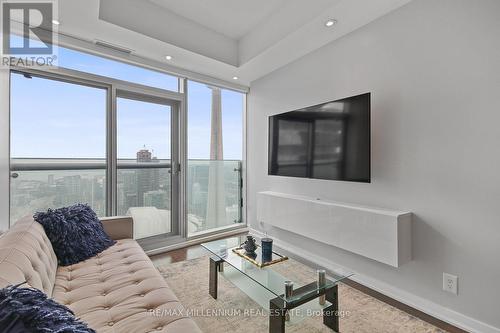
113, 47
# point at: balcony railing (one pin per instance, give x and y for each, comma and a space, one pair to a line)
143, 190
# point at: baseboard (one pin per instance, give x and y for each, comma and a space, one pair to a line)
435, 310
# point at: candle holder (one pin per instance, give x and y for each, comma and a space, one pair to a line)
267, 249
321, 283
288, 289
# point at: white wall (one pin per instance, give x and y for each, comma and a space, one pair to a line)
433, 67
4, 149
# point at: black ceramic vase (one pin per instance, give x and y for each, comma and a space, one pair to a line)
250, 246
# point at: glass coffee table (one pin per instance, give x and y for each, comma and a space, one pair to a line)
266, 285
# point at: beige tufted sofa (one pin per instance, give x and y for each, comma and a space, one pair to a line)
119, 290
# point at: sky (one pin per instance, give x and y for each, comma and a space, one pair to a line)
52, 119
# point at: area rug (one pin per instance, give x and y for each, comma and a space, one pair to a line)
234, 311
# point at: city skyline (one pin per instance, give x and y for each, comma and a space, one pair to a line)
39, 190
70, 122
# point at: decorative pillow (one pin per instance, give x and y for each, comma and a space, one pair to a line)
76, 233
29, 310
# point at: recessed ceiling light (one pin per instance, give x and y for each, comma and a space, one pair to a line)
56, 22
168, 57
235, 78
330, 23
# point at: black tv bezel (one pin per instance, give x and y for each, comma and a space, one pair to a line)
269, 149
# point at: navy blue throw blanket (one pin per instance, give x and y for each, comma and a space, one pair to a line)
76, 233
25, 310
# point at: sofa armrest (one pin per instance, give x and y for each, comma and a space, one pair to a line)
118, 227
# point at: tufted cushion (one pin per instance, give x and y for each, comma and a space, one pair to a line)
76, 233
26, 254
120, 290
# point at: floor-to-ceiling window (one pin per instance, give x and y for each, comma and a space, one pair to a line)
215, 154
103, 142
144, 176
113, 140
58, 147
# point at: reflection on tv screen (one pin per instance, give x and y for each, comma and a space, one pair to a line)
326, 141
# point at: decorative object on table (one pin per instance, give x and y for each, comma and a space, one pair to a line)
267, 249
288, 289
321, 282
257, 259
76, 233
30, 310
250, 246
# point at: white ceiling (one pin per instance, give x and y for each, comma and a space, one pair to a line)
232, 18
219, 38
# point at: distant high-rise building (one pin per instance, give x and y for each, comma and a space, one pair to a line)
216, 206
158, 199
69, 190
131, 200
50, 180
147, 178
144, 155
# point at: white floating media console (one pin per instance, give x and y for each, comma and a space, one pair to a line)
379, 234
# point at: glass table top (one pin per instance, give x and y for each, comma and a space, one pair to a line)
271, 277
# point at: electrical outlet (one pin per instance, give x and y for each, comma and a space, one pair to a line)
450, 283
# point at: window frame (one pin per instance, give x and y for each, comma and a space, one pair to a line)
178, 101
117, 88
243, 165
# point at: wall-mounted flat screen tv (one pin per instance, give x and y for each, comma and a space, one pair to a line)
325, 141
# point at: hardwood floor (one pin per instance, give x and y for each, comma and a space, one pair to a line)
183, 254
406, 308
197, 251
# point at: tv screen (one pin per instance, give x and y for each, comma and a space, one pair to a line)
325, 141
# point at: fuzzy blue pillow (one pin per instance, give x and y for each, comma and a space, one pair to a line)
76, 233
29, 310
